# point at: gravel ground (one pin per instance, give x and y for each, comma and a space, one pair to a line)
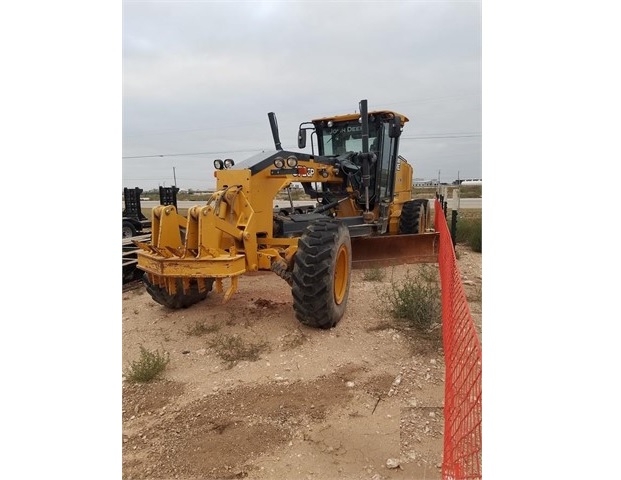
362, 400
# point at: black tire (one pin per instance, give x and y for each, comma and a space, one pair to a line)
413, 217
322, 274
179, 299
128, 229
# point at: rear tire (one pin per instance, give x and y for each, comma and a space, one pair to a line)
322, 274
179, 299
413, 217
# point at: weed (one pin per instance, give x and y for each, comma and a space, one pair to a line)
147, 367
416, 299
374, 275
202, 328
232, 349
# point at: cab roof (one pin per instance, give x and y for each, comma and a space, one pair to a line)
355, 116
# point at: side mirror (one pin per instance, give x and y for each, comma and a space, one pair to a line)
302, 138
394, 130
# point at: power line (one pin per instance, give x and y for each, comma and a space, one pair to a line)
422, 137
197, 153
417, 137
196, 129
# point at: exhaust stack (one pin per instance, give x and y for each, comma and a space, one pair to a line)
274, 126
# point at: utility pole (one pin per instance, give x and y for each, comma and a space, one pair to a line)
174, 177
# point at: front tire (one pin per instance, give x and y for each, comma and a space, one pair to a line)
179, 299
322, 274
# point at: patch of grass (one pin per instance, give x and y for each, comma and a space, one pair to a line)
231, 320
465, 191
469, 232
294, 340
415, 300
148, 366
470, 191
296, 194
471, 213
201, 328
476, 295
374, 275
232, 349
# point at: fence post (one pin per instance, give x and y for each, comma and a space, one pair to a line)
453, 227
454, 213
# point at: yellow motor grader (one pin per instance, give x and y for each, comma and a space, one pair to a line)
364, 216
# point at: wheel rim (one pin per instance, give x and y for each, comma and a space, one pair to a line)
341, 275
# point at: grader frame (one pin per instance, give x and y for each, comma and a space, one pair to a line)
364, 217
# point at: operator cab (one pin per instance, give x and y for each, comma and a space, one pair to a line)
341, 137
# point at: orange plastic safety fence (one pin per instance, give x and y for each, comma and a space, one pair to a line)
462, 351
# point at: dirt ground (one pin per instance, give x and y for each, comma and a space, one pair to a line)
360, 401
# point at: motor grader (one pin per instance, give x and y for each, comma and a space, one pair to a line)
364, 216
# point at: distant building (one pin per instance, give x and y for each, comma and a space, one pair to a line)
471, 181
419, 182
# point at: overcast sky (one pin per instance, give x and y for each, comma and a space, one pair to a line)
199, 79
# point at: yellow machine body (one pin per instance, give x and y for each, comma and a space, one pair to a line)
238, 231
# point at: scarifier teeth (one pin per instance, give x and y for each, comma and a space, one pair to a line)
176, 252
163, 252
231, 290
144, 246
212, 252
